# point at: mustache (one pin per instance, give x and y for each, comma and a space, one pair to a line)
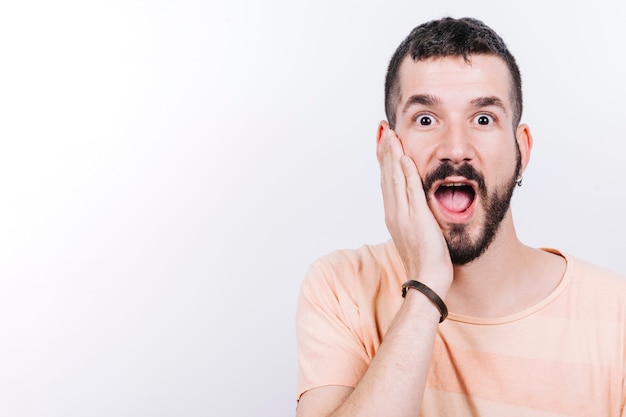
447, 169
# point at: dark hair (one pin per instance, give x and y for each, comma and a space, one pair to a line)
450, 37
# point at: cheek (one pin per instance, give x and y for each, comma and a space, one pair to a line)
422, 154
504, 169
421, 162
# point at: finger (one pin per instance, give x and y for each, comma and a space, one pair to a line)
414, 186
388, 145
393, 180
393, 157
387, 168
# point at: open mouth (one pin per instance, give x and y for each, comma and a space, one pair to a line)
455, 197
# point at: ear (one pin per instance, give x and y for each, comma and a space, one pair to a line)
525, 144
382, 127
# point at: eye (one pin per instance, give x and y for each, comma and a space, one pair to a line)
425, 120
483, 119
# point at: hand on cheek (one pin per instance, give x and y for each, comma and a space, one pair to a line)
412, 226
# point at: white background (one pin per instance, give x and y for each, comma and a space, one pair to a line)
169, 169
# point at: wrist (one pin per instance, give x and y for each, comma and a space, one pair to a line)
439, 282
426, 291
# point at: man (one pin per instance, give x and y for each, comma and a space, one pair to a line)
529, 332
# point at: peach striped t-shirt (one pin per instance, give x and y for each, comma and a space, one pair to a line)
565, 356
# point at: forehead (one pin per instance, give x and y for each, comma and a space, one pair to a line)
455, 79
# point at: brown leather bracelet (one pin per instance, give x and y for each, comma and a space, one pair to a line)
430, 294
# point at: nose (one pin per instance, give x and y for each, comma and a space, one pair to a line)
455, 144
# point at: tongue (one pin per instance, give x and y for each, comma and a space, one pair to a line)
455, 199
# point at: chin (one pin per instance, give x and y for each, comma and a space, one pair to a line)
465, 247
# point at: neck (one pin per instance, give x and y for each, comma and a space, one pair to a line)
506, 279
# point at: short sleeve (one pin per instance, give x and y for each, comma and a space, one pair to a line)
330, 351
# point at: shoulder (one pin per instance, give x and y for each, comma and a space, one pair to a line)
362, 263
583, 272
588, 273
594, 284
344, 274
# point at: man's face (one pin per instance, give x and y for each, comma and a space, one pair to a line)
455, 121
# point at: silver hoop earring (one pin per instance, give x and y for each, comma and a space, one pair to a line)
519, 181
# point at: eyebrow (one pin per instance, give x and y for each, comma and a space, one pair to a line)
430, 100
420, 99
489, 101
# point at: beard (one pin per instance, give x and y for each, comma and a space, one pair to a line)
462, 247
